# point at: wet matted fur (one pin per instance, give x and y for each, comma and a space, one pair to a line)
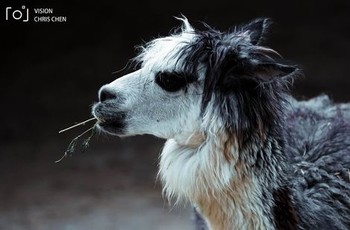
240, 148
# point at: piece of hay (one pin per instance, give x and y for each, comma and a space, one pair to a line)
85, 144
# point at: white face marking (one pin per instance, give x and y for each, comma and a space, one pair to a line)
148, 108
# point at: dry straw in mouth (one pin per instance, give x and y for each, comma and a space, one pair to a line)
73, 143
76, 125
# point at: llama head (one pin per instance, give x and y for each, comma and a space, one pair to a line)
197, 82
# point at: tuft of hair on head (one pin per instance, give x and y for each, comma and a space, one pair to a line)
186, 26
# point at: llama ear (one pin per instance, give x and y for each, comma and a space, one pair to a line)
256, 30
272, 70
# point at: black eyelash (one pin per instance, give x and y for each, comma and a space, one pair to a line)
172, 82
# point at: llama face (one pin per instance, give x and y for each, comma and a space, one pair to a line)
193, 79
164, 103
161, 98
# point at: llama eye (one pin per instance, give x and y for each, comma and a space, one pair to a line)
170, 82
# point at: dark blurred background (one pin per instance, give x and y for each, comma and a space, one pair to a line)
51, 72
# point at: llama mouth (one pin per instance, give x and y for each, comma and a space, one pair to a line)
109, 121
111, 126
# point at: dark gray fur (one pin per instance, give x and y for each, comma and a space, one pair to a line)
311, 150
317, 134
317, 146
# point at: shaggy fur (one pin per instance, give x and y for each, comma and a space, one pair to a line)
239, 148
317, 134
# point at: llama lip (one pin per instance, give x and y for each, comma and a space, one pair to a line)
111, 122
113, 125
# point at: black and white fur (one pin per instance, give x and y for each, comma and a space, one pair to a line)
239, 148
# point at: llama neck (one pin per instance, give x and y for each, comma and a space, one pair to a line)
237, 207
246, 202
231, 188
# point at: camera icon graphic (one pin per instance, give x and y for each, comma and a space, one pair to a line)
17, 14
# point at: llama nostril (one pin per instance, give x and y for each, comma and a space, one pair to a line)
106, 94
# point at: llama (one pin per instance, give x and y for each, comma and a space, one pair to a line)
240, 148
